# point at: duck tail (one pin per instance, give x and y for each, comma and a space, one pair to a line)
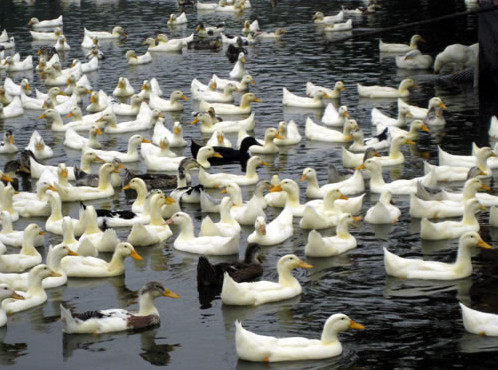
206, 273
68, 321
315, 245
229, 289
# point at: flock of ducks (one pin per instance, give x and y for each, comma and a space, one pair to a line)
153, 212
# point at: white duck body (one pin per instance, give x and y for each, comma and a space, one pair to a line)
414, 59
143, 121
47, 23
493, 127
379, 118
400, 48
313, 131
395, 156
420, 269
480, 323
239, 70
132, 109
35, 295
383, 212
77, 142
222, 179
154, 232
124, 88
352, 185
269, 146
8, 146
12, 88
360, 144
412, 134
334, 93
208, 127
46, 36
261, 348
456, 54
54, 256
318, 246
171, 105
227, 226
261, 292
92, 267
131, 154
208, 245
338, 27
54, 222
320, 18
7, 202
116, 33
219, 139
87, 158
14, 238
175, 138
133, 59
176, 20
28, 255
241, 85
452, 229
375, 91
103, 241
222, 108
243, 213
421, 113
216, 97
335, 117
292, 100
448, 159
289, 133
276, 232
378, 185
14, 109
19, 66
452, 173
6, 292
164, 44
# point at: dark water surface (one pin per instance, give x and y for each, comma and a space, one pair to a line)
408, 323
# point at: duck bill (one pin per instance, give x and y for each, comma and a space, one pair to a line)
344, 89
442, 105
4, 177
69, 115
481, 243
145, 141
253, 82
176, 130
135, 255
184, 97
169, 200
262, 229
121, 85
169, 293
258, 100
224, 191
343, 197
99, 160
64, 173
362, 167
194, 121
92, 99
217, 155
71, 253
15, 295
53, 188
425, 128
348, 138
41, 232
169, 222
304, 265
346, 114
357, 218
484, 187
410, 142
55, 274
127, 187
355, 325
263, 163
302, 178
278, 136
415, 86
99, 131
42, 116
276, 188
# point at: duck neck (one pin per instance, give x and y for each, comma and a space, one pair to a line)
28, 246
186, 230
481, 163
203, 159
342, 230
285, 277
132, 148
104, 178
329, 336
35, 287
313, 183
251, 169
329, 204
225, 215
463, 260
56, 210
7, 225
92, 226
68, 234
86, 164
292, 199
7, 202
376, 178
116, 262
395, 150
146, 306
245, 103
54, 262
156, 218
57, 122
469, 217
141, 196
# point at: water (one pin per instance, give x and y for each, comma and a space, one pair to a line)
408, 323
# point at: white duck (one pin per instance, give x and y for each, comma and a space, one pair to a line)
134, 59
35, 295
334, 93
93, 267
335, 117
261, 292
352, 185
292, 100
480, 323
493, 127
219, 179
462, 56
289, 134
379, 118
452, 229
8, 146
400, 48
383, 212
124, 88
116, 33
431, 115
132, 109
14, 238
433, 270
14, 109
227, 226
143, 121
339, 27
176, 20
414, 59
47, 23
291, 188
320, 18
131, 155
18, 66
241, 85
61, 44
208, 126
209, 245
239, 70
244, 213
386, 91
412, 134
269, 146
313, 131
223, 108
28, 255
174, 137
276, 232
99, 101
87, 158
12, 88
6, 292
395, 156
171, 105
218, 138
318, 246
102, 241
75, 141
260, 348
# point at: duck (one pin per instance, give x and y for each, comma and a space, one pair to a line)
413, 133
18, 66
61, 44
134, 59
452, 229
248, 269
222, 108
260, 348
421, 113
335, 117
379, 118
161, 158
7, 195
29, 204
338, 27
117, 319
245, 213
9, 43
220, 179
207, 126
386, 91
54, 223
291, 188
275, 232
35, 295
7, 146
93, 267
84, 247
218, 138
132, 109
493, 127
175, 138
54, 256
378, 142
164, 44
123, 89
6, 292
27, 257
242, 85
403, 186
448, 159
102, 241
69, 173
14, 109
207, 245
91, 179
478, 322
131, 154
395, 156
239, 69
257, 293
269, 146
292, 100
116, 33
414, 59
56, 22
400, 48
276, 35
320, 18
462, 56
384, 211
143, 121
14, 89
171, 105
314, 131
289, 134
91, 66
77, 142
334, 93
176, 20
14, 238
343, 241
216, 97
352, 185
227, 226
157, 230
433, 270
